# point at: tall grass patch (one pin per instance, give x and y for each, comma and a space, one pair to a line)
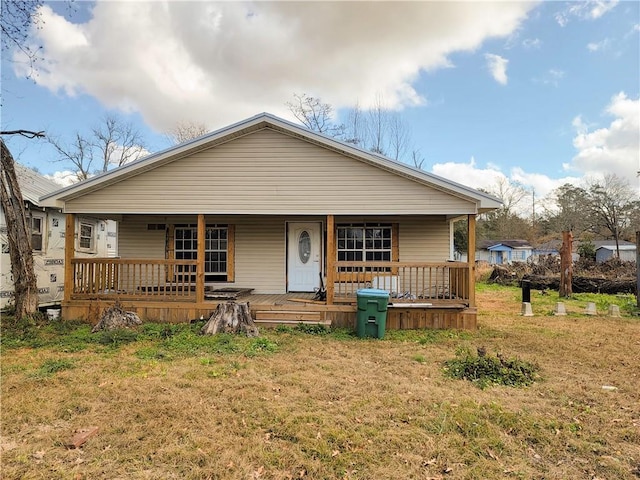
486, 370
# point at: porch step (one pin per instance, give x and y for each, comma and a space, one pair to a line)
287, 316
273, 318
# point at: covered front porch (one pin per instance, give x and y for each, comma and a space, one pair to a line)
422, 294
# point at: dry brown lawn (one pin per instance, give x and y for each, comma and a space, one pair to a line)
333, 406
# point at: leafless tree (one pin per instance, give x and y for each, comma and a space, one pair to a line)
378, 127
399, 136
315, 115
16, 19
613, 204
112, 143
505, 222
417, 158
18, 232
185, 131
355, 129
510, 193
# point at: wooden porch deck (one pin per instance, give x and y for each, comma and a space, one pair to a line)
270, 310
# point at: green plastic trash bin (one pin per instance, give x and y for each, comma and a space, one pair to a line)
372, 312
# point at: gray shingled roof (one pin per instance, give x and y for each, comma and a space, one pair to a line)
33, 185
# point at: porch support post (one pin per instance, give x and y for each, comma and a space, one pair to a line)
471, 258
200, 260
69, 253
331, 258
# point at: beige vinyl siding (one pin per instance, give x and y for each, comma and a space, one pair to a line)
136, 241
260, 254
424, 239
268, 172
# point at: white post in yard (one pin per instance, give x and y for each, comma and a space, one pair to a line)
559, 310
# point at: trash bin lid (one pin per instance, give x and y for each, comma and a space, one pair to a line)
372, 292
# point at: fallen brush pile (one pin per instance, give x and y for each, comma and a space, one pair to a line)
613, 276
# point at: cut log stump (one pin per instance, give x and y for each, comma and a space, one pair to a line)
231, 317
115, 317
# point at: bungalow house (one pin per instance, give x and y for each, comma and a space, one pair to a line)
47, 240
497, 252
269, 212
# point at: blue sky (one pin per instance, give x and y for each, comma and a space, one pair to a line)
536, 93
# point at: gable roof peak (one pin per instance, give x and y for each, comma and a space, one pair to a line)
484, 201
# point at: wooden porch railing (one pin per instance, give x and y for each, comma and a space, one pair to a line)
133, 279
175, 280
446, 282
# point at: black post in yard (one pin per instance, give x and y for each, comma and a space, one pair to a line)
526, 291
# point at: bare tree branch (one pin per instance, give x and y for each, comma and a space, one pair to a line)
24, 133
185, 131
417, 158
111, 143
613, 204
15, 22
378, 123
399, 137
315, 115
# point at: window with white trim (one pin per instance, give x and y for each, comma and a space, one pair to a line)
358, 243
86, 236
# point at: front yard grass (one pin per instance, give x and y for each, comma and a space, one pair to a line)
307, 403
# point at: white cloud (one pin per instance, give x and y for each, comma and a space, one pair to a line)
541, 184
488, 177
599, 46
584, 10
611, 149
497, 65
551, 77
63, 178
220, 62
469, 173
531, 43
599, 8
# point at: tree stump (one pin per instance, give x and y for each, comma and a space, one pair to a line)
231, 317
566, 265
115, 317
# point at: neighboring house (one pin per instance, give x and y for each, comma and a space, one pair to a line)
269, 209
498, 252
97, 239
551, 247
606, 250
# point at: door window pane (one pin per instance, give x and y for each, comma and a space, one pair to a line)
304, 247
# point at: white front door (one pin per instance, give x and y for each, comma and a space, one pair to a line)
304, 248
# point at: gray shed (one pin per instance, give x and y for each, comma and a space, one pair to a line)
606, 252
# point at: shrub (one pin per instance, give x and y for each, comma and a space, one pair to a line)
587, 250
486, 370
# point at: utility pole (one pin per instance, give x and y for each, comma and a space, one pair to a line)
533, 202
